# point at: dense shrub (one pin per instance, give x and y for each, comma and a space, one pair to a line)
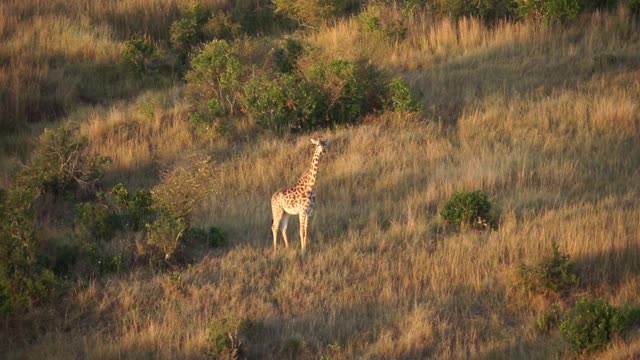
401, 98
549, 319
548, 10
215, 82
350, 89
553, 274
96, 220
306, 12
214, 237
469, 209
138, 53
221, 26
227, 337
634, 7
285, 57
164, 234
284, 103
188, 31
375, 20
132, 211
61, 162
591, 324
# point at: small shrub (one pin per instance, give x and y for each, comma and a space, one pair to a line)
311, 13
164, 235
189, 30
293, 347
350, 89
548, 10
401, 98
469, 209
61, 162
553, 274
284, 103
97, 220
591, 324
225, 339
549, 319
216, 237
374, 21
214, 83
285, 57
133, 211
137, 53
634, 7
221, 26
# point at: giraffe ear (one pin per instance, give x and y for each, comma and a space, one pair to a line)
315, 142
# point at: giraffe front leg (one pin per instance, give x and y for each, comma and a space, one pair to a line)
303, 231
274, 227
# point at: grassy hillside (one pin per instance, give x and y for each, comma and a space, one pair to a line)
543, 118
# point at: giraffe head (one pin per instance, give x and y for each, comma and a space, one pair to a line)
321, 144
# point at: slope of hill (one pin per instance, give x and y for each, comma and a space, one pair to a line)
543, 118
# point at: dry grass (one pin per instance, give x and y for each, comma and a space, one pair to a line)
546, 120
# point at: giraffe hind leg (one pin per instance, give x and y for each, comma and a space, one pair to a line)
284, 222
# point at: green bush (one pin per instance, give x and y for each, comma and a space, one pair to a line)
548, 10
138, 53
285, 57
61, 162
490, 10
549, 319
284, 103
591, 324
189, 30
96, 220
133, 211
634, 7
216, 237
401, 98
214, 83
351, 90
225, 339
221, 26
469, 209
310, 13
374, 21
554, 274
164, 235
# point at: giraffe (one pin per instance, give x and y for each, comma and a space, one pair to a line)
298, 199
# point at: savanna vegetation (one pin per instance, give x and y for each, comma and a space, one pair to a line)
479, 197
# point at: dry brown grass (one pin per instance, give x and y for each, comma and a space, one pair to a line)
544, 119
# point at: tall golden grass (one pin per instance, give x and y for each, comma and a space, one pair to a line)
544, 119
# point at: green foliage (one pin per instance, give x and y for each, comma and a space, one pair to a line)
350, 89
401, 98
61, 162
185, 33
293, 347
634, 7
164, 234
549, 11
138, 53
214, 82
553, 274
284, 103
469, 208
591, 324
221, 26
286, 57
133, 211
311, 13
216, 237
97, 220
373, 20
549, 319
225, 338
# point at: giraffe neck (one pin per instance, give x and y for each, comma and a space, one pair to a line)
310, 176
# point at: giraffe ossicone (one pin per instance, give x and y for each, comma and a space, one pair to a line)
298, 199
